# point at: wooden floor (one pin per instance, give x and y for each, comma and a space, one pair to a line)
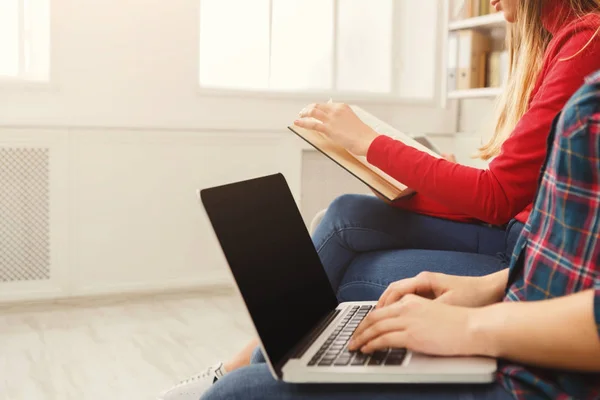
128, 349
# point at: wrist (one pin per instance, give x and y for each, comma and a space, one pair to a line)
484, 326
369, 138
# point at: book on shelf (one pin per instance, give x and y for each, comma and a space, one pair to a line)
473, 48
358, 166
476, 5
494, 73
497, 68
463, 9
484, 7
452, 60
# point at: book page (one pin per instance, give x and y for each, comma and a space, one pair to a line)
381, 127
359, 166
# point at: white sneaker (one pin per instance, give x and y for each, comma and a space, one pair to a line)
194, 387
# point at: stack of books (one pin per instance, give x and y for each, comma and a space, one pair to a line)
472, 63
462, 9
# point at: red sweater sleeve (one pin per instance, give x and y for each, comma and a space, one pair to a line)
497, 194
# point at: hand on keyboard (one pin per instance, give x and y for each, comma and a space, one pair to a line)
419, 324
465, 291
335, 350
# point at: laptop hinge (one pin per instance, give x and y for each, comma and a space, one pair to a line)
298, 351
309, 339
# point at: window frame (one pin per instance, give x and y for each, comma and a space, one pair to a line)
391, 97
23, 80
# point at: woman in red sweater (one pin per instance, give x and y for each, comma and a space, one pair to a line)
462, 220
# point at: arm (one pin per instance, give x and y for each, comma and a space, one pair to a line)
467, 291
561, 257
557, 333
499, 193
561, 333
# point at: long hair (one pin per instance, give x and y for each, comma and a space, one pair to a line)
526, 41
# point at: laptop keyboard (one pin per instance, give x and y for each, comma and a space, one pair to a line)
335, 349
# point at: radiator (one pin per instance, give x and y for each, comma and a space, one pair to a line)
24, 214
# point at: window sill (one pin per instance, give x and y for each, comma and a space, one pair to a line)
312, 96
26, 84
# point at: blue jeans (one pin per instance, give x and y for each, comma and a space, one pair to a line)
255, 382
365, 245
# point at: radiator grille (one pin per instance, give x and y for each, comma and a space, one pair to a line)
24, 214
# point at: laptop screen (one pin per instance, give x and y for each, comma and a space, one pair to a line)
273, 260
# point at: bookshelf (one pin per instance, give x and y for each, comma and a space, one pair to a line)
492, 26
483, 23
478, 93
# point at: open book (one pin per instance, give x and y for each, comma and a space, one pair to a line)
370, 175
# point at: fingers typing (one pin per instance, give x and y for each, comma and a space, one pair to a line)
380, 328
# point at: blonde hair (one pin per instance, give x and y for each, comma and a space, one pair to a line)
526, 41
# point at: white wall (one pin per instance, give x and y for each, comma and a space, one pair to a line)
131, 138
475, 128
134, 64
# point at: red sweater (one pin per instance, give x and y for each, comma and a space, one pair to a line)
506, 189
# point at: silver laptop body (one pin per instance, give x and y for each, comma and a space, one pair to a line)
302, 329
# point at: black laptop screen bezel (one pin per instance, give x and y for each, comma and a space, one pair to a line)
250, 217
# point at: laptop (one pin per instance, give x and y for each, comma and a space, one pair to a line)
302, 329
424, 140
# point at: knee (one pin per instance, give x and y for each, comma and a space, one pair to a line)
347, 205
341, 212
249, 383
230, 386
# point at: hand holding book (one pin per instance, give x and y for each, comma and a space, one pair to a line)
344, 134
340, 124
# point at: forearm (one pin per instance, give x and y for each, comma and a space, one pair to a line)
558, 333
472, 191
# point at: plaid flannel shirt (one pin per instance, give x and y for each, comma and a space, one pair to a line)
558, 252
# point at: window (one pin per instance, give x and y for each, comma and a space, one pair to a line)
364, 48
24, 39
349, 46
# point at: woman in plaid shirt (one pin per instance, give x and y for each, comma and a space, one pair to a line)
541, 316
548, 326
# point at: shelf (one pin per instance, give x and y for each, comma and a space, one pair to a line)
475, 93
484, 22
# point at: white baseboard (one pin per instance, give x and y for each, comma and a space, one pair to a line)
209, 283
175, 285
